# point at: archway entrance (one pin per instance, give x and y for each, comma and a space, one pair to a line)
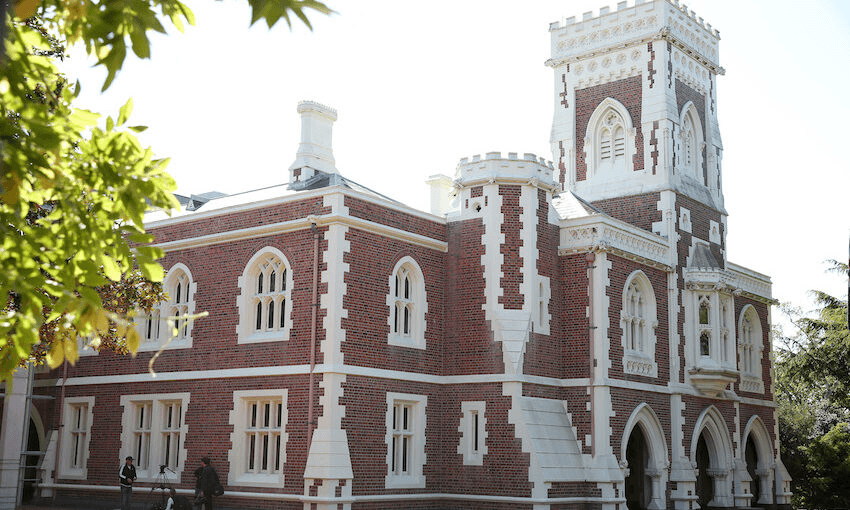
638, 483
751, 457
705, 484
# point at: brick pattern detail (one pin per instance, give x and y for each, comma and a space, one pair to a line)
639, 210
562, 167
621, 269
628, 92
685, 93
188, 228
653, 142
369, 211
669, 65
511, 298
476, 191
473, 349
371, 260
563, 95
649, 65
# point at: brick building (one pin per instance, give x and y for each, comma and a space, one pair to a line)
550, 336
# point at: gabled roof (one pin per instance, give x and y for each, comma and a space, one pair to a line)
570, 206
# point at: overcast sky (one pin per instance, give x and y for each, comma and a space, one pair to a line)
419, 85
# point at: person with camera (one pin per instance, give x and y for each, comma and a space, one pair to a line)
127, 475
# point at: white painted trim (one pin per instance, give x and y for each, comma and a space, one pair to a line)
244, 301
157, 399
416, 338
416, 478
640, 361
236, 456
466, 446
65, 469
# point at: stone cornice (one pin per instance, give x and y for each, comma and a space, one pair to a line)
601, 233
735, 280
304, 223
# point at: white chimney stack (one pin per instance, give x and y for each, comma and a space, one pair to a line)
315, 152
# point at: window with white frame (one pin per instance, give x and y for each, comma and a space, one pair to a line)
76, 437
405, 440
407, 305
265, 304
153, 431
750, 350
609, 141
258, 441
541, 315
689, 144
638, 320
167, 324
473, 433
704, 325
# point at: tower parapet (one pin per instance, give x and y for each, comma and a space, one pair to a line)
493, 167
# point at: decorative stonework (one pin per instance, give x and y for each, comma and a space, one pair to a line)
603, 233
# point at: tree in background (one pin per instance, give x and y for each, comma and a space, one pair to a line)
74, 260
813, 397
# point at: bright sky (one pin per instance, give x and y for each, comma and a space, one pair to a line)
419, 85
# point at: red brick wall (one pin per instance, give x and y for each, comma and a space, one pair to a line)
371, 261
572, 315
189, 227
620, 270
639, 210
370, 211
627, 91
511, 298
468, 335
694, 406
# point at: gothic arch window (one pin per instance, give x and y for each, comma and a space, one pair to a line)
609, 141
638, 320
265, 304
407, 305
750, 349
690, 144
168, 324
711, 450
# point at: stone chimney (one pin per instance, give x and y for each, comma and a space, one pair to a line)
315, 152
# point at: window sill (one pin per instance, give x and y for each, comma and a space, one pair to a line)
257, 338
406, 341
405, 482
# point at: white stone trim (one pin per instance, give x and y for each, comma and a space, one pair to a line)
720, 452
417, 460
714, 232
65, 468
471, 410
766, 461
644, 417
419, 301
751, 379
128, 402
640, 361
245, 329
604, 233
165, 334
685, 220
596, 170
237, 455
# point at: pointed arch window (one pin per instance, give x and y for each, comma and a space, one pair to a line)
407, 305
265, 304
690, 142
750, 350
609, 141
168, 324
638, 321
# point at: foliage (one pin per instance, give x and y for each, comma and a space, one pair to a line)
74, 188
812, 380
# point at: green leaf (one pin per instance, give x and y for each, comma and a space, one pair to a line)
124, 112
152, 270
110, 267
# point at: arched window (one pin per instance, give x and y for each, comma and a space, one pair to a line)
167, 324
407, 306
609, 141
750, 349
690, 143
265, 306
638, 320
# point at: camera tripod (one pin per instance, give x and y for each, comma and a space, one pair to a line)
162, 484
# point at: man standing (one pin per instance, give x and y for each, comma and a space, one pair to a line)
208, 482
127, 475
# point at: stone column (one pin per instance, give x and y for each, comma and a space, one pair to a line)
12, 438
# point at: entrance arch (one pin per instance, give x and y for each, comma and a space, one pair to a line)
644, 453
758, 457
711, 450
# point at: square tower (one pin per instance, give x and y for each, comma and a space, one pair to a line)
635, 103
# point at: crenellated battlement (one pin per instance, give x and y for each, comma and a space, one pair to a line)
494, 167
632, 24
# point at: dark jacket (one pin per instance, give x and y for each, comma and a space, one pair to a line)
127, 475
208, 480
